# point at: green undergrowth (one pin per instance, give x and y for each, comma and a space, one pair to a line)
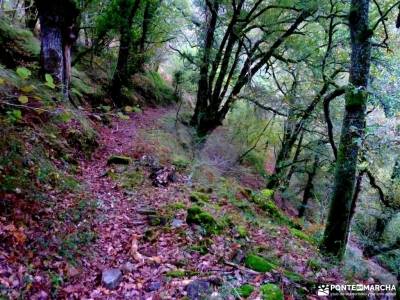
42, 140
17, 45
152, 88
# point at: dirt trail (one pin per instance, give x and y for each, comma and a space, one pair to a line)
117, 222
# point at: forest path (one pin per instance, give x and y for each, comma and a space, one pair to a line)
118, 222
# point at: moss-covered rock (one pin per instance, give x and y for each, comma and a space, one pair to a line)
271, 291
133, 179
195, 215
199, 197
258, 263
245, 290
119, 160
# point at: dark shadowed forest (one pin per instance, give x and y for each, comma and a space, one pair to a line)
199, 149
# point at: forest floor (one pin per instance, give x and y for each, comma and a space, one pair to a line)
135, 229
155, 261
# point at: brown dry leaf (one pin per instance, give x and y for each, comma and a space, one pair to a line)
134, 249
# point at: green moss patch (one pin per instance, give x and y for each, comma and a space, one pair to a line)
133, 179
271, 291
242, 231
263, 197
199, 197
195, 215
293, 276
179, 273
302, 236
245, 290
258, 263
265, 201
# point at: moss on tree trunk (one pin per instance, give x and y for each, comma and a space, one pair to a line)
339, 216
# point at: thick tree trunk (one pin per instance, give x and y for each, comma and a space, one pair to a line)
121, 73
51, 53
57, 34
338, 223
203, 93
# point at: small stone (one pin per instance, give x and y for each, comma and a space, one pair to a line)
128, 267
153, 286
111, 278
176, 223
216, 296
198, 289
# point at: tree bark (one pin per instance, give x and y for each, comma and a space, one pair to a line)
121, 74
338, 222
148, 14
58, 31
200, 111
308, 190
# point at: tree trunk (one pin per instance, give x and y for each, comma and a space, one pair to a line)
148, 14
288, 142
121, 73
308, 190
338, 223
209, 114
200, 111
295, 158
57, 34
